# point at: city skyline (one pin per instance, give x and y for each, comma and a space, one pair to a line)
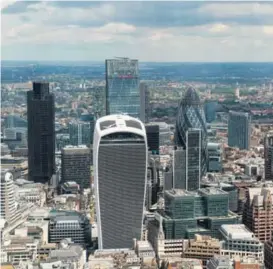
150, 31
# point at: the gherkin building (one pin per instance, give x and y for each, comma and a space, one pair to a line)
190, 115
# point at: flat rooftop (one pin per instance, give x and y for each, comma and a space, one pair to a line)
237, 231
212, 191
180, 192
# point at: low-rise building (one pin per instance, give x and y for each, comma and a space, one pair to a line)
239, 241
202, 248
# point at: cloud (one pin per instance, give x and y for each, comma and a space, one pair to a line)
166, 30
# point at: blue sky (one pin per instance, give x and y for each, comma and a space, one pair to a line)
149, 31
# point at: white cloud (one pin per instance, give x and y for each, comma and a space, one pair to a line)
6, 3
237, 9
217, 28
118, 28
268, 29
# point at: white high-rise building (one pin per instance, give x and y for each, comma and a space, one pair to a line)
8, 206
120, 170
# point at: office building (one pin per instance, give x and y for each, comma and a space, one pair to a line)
120, 171
258, 212
122, 87
268, 253
76, 161
152, 132
74, 226
239, 130
80, 133
144, 102
8, 207
187, 163
189, 213
62, 140
14, 121
210, 108
239, 241
224, 262
203, 248
179, 169
191, 115
214, 157
268, 156
41, 133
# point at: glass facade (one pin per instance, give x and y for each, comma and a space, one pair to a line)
203, 212
239, 130
122, 87
191, 115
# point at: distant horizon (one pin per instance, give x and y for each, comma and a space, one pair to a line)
161, 62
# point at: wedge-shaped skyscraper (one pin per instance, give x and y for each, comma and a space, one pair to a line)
120, 171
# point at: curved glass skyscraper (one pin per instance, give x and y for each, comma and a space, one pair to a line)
120, 172
191, 117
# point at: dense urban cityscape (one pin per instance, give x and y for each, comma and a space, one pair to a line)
127, 164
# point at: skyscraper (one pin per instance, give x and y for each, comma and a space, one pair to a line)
239, 129
8, 206
191, 115
268, 156
152, 131
187, 163
41, 132
76, 165
122, 87
120, 172
80, 133
144, 102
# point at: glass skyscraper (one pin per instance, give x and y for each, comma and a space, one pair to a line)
122, 87
239, 129
120, 177
191, 116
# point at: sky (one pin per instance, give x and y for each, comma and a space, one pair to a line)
148, 31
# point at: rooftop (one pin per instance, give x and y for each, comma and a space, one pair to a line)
237, 231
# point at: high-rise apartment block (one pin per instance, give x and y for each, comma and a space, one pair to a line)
80, 133
258, 212
191, 130
122, 87
76, 161
144, 102
41, 133
239, 129
120, 171
268, 156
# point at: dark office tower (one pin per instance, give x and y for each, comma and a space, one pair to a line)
152, 132
122, 87
179, 169
191, 115
41, 133
76, 165
120, 172
268, 156
144, 102
239, 129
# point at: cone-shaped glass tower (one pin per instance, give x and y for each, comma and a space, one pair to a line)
191, 116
